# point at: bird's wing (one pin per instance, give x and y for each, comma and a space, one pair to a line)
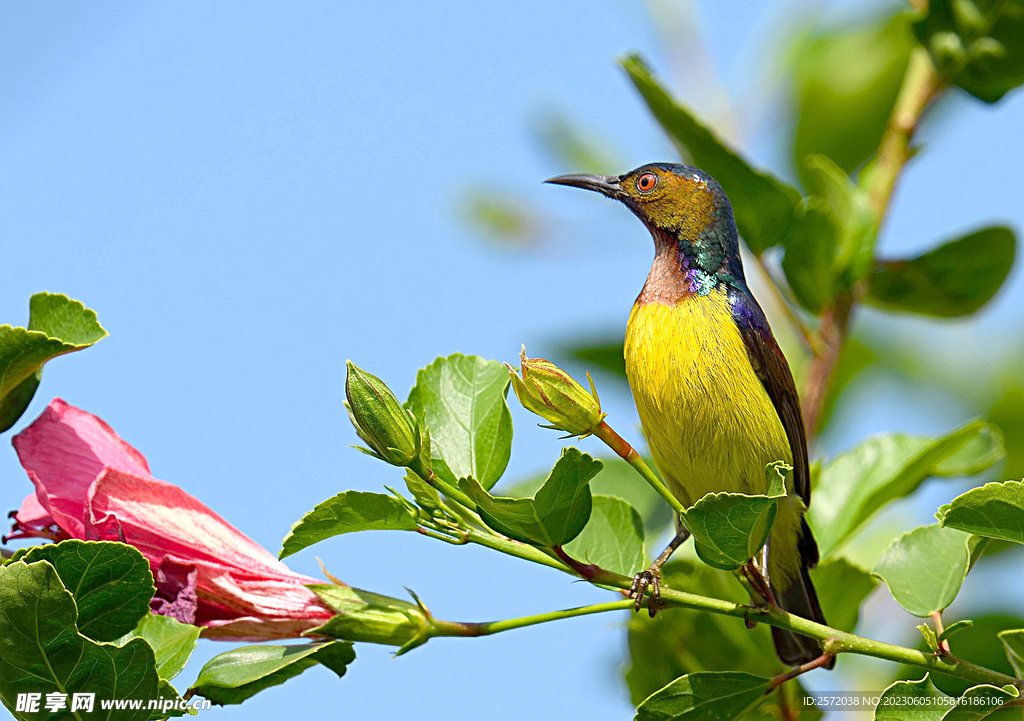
772, 369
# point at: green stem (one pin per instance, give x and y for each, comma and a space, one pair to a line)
833, 641
625, 451
515, 548
455, 628
441, 485
921, 84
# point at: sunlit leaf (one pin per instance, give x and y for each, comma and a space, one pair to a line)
855, 485
613, 537
925, 568
619, 479
910, 701
461, 399
707, 696
978, 702
57, 325
555, 515
236, 675
1013, 642
172, 642
729, 528
348, 512
111, 583
43, 652
996, 510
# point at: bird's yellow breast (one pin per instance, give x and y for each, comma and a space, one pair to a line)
708, 420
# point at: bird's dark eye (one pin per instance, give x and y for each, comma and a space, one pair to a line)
646, 182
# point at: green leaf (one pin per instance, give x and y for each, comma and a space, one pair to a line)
830, 246
619, 479
977, 44
906, 701
929, 637
111, 583
555, 515
166, 692
979, 645
461, 399
1013, 642
236, 675
978, 702
763, 206
855, 220
347, 512
842, 588
995, 510
43, 652
924, 568
613, 537
810, 255
845, 83
425, 494
369, 617
729, 528
57, 325
956, 279
855, 485
172, 642
709, 696
955, 628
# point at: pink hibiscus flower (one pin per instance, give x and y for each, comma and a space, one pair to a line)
92, 485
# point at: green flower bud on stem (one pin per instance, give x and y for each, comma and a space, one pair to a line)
390, 431
372, 618
551, 393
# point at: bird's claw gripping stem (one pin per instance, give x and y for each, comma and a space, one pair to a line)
651, 578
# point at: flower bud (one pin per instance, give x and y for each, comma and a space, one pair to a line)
948, 51
390, 431
372, 618
551, 393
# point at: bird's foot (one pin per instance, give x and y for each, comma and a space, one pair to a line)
651, 578
760, 585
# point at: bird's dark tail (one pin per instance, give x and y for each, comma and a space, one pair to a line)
800, 599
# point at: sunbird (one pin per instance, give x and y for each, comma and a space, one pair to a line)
714, 392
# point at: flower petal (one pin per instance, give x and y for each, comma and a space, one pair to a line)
161, 519
64, 450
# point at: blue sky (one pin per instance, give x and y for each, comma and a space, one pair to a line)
250, 193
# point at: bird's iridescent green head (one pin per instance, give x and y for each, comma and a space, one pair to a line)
682, 206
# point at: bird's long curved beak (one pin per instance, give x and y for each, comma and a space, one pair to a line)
604, 184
